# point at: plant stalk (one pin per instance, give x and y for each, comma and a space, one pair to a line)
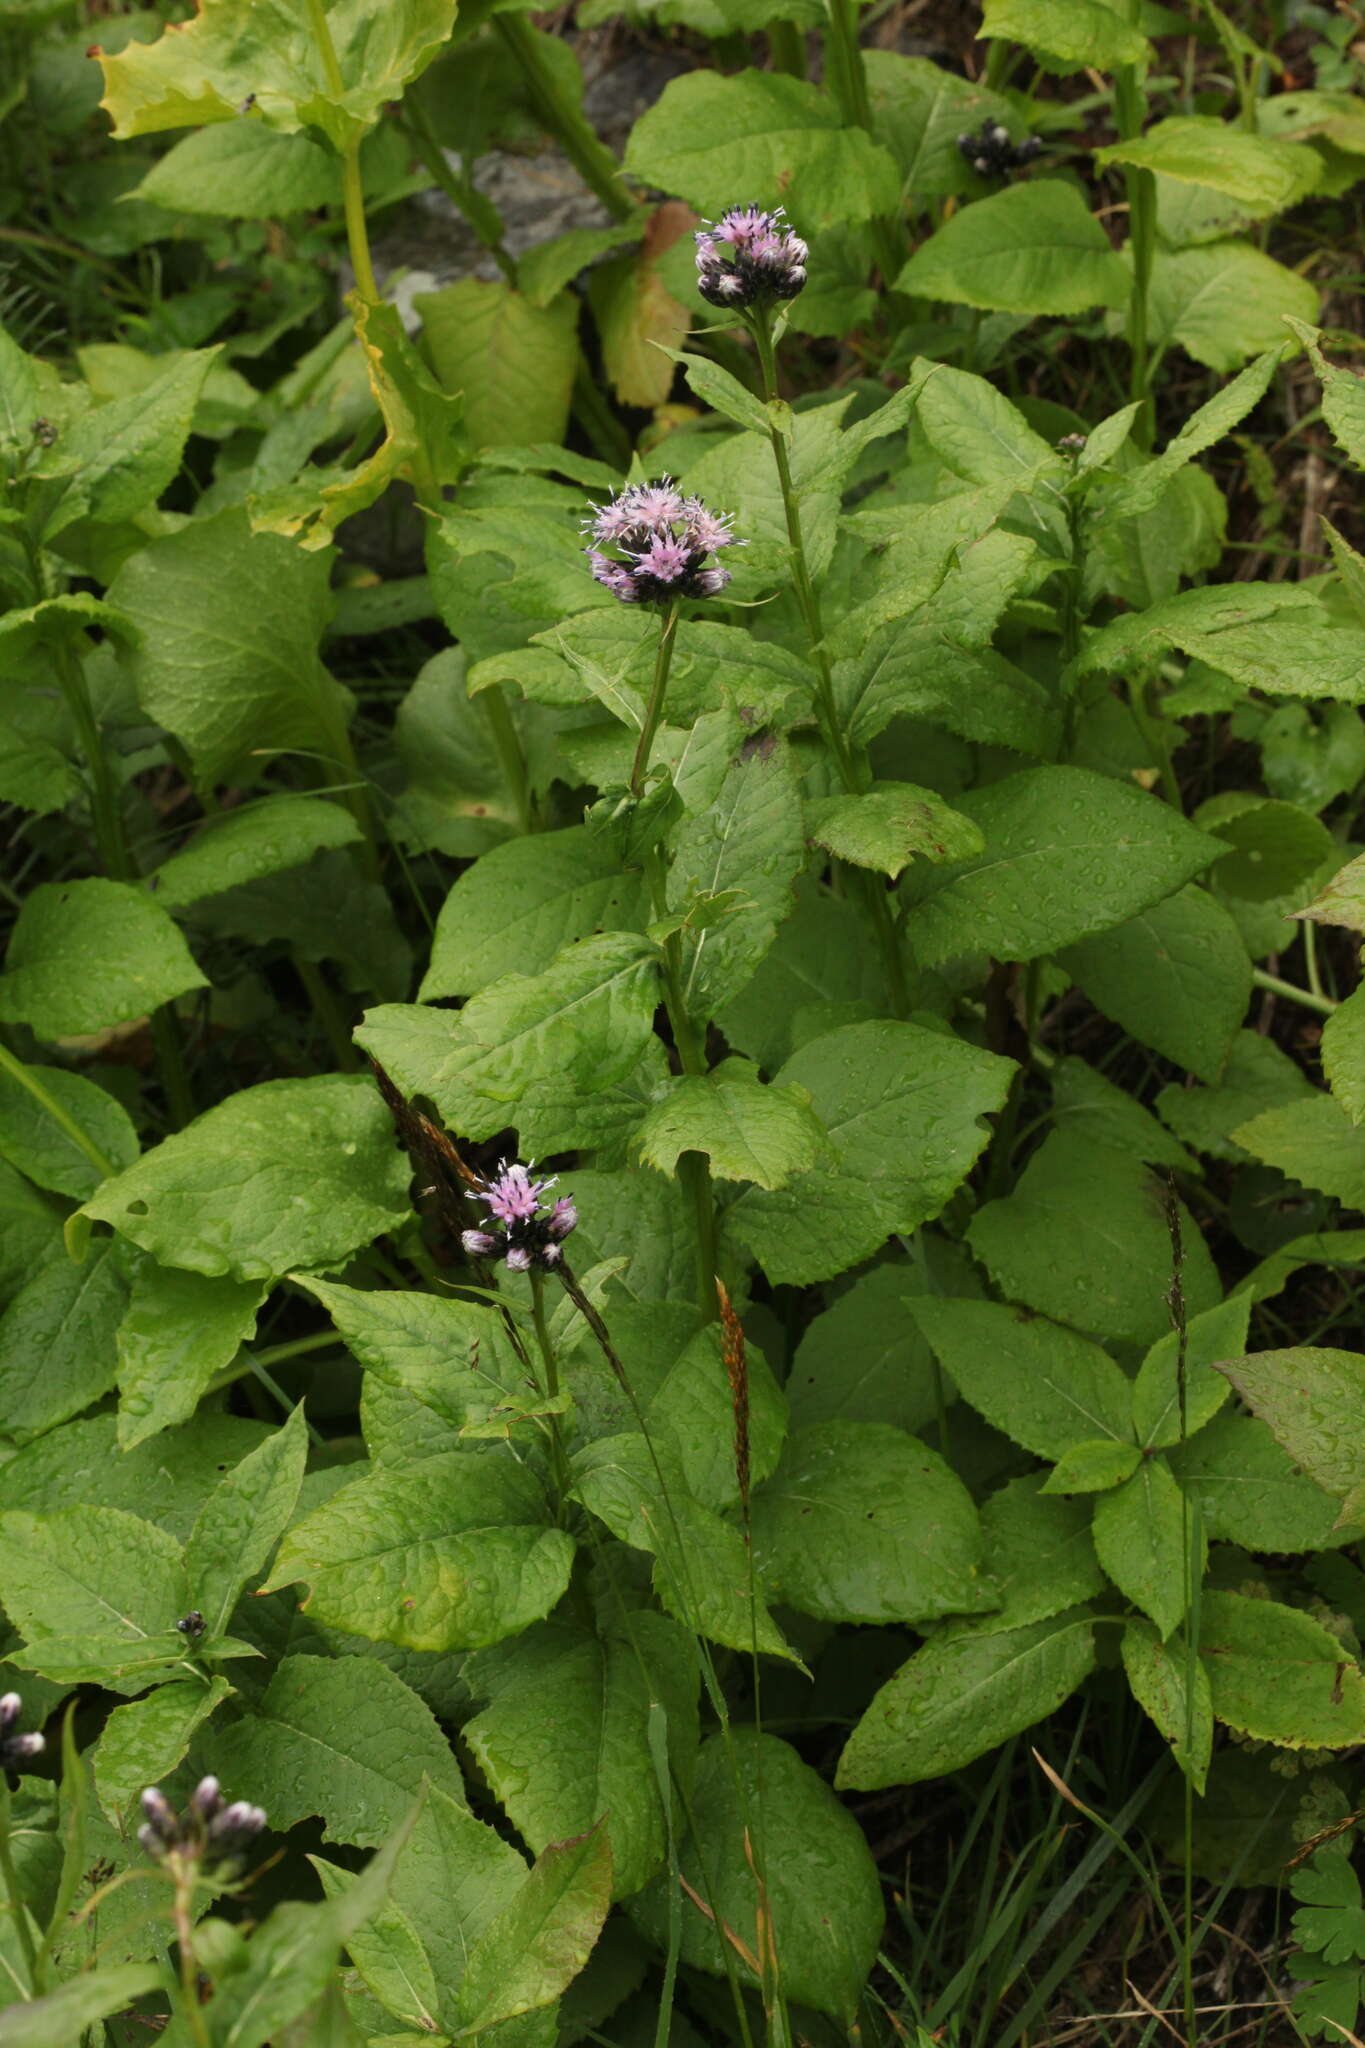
576, 136
854, 771
14, 1891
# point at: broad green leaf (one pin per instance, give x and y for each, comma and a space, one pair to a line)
1257, 1076
180, 1330
289, 1173
964, 1692
1093, 1466
60, 621
1315, 1143
1251, 1493
1142, 489
449, 1554
1210, 1339
455, 1357
340, 1738
1039, 1552
390, 1956
242, 1520
18, 392
90, 1571
1313, 1401
887, 825
822, 1890
1068, 35
703, 1569
512, 362
30, 1230
863, 1523
117, 459
1140, 1540
1276, 847
1158, 1674
84, 955
81, 1465
145, 1741
228, 657
1343, 1054
244, 170
245, 844
863, 1359
53, 1145
1083, 1238
543, 1936
903, 1109
1343, 401
821, 969
514, 909
264, 52
58, 1341
1342, 900
1263, 176
1272, 637
1084, 1100
1069, 853
556, 1774
777, 138
64, 2014
715, 387
1030, 249
686, 1396
1176, 977
1040, 1383
292, 1957
544, 269
749, 839
538, 1047
423, 439
1222, 302
1279, 1676
749, 1130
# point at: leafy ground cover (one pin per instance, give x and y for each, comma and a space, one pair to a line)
680, 1046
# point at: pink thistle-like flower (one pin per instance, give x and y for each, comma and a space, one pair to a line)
525, 1232
749, 258
665, 539
665, 560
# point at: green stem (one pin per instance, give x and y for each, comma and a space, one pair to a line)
1322, 1006
694, 1169
663, 661
545, 1343
576, 136
459, 189
847, 79
26, 1078
1140, 185
189, 1973
118, 863
328, 1013
510, 753
14, 1890
787, 48
854, 771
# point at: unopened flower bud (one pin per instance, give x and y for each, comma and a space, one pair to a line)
563, 1219
480, 1244
11, 1707
192, 1624
205, 1798
161, 1815
15, 1749
20, 1746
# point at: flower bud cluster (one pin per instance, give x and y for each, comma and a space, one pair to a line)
992, 154
660, 542
749, 258
523, 1230
208, 1832
15, 1749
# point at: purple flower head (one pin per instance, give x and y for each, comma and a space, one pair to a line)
15, 1749
524, 1231
207, 1832
664, 539
749, 258
992, 154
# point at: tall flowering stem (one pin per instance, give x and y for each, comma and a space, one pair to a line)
853, 768
652, 545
